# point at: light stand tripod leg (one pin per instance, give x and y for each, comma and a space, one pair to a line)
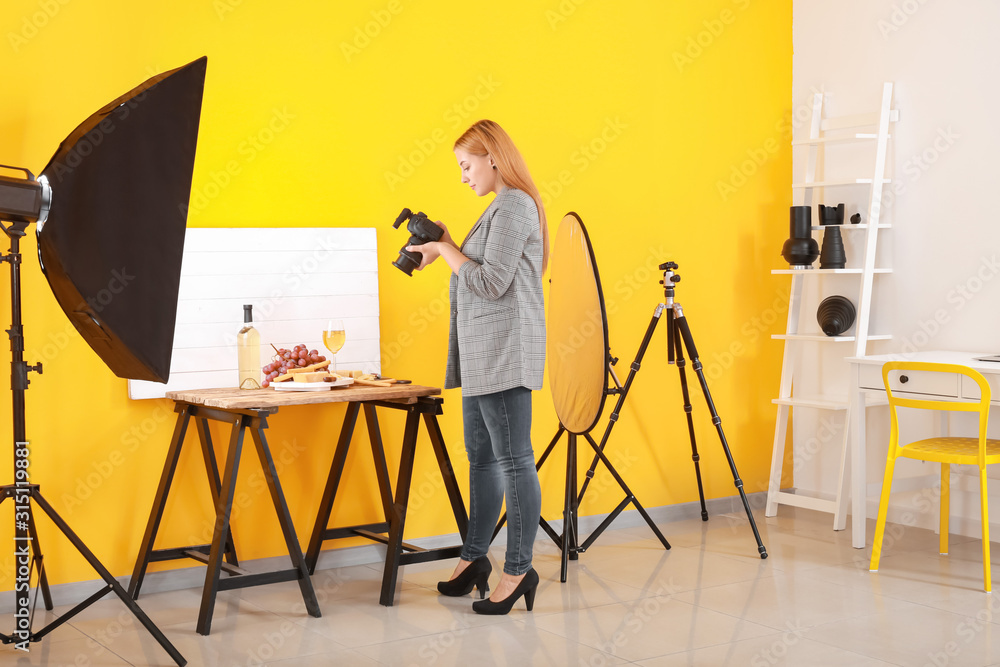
19, 385
43, 579
31, 533
569, 534
681, 364
108, 579
629, 498
682, 326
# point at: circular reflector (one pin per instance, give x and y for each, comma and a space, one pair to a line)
577, 330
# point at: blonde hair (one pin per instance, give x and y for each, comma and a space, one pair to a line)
486, 137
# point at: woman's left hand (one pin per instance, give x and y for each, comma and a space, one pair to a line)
430, 252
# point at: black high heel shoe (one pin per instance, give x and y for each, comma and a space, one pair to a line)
527, 588
476, 574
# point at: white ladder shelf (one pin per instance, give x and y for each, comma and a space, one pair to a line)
874, 128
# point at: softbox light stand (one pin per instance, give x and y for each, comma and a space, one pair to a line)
110, 213
28, 552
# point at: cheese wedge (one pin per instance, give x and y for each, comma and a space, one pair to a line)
310, 368
319, 376
304, 369
372, 383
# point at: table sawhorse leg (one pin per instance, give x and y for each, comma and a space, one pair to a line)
146, 552
223, 493
213, 583
390, 531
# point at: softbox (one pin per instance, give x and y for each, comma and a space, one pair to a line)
111, 248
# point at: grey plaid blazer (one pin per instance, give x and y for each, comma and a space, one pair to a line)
497, 336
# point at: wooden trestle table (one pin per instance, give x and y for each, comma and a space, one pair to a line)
248, 411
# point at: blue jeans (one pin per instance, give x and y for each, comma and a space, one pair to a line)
501, 463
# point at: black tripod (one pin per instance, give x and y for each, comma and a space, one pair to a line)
678, 336
28, 554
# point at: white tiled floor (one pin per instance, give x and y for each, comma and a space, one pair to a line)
710, 601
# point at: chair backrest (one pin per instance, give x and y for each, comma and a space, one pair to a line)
982, 406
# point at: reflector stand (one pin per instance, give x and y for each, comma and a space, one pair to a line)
577, 408
579, 361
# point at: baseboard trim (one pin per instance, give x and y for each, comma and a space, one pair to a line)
194, 577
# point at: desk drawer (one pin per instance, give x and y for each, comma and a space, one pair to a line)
970, 389
916, 382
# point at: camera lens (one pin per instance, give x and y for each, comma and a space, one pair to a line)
405, 264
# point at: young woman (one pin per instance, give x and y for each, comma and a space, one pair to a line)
496, 354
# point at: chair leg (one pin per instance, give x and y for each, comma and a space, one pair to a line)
984, 502
883, 509
945, 506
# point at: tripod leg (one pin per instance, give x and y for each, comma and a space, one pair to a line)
681, 364
569, 510
629, 498
108, 579
43, 579
612, 420
685, 332
32, 535
623, 393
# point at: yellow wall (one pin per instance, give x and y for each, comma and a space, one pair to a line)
664, 125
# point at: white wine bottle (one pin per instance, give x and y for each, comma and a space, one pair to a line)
248, 350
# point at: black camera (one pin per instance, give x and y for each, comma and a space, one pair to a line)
422, 230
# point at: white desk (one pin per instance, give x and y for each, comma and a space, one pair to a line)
866, 374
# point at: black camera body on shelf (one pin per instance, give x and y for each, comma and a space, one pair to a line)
422, 230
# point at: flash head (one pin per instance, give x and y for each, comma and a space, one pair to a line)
24, 200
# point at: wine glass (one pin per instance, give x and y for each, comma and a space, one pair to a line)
334, 338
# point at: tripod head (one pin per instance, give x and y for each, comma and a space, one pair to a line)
670, 278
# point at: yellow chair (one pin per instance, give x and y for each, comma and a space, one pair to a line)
945, 450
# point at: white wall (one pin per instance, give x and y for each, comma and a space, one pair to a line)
944, 248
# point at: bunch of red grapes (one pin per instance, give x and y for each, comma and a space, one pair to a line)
286, 360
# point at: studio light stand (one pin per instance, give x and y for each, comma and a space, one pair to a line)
678, 337
28, 555
114, 194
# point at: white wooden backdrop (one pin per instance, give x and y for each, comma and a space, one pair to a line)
295, 279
